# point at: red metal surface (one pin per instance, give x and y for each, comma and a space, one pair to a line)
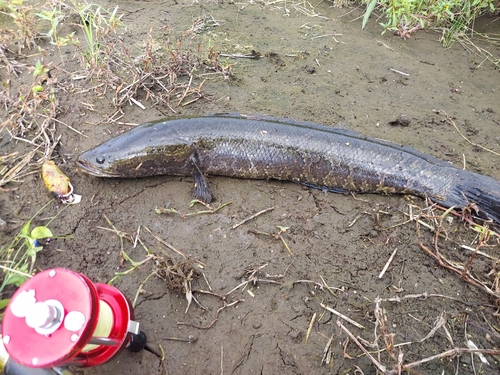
64, 347
76, 293
123, 312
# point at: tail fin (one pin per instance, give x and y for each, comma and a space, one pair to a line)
481, 190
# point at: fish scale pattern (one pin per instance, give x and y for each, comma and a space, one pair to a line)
313, 154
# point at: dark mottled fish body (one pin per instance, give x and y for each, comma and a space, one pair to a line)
267, 148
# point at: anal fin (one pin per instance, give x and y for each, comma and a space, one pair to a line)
326, 189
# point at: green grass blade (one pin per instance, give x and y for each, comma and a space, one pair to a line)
369, 10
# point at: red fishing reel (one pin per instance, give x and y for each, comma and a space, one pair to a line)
60, 318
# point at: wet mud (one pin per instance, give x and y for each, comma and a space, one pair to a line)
320, 68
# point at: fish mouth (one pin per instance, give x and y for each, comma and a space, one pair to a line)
91, 169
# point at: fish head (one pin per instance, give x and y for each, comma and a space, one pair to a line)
103, 161
147, 150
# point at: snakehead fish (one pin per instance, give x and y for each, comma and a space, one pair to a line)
262, 147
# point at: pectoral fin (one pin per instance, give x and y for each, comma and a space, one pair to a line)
200, 189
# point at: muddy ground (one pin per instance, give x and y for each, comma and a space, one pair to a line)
321, 68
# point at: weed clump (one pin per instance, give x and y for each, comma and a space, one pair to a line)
454, 19
167, 70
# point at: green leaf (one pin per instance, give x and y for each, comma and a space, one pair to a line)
41, 232
4, 303
25, 232
37, 88
16, 280
44, 15
32, 251
451, 14
39, 69
369, 10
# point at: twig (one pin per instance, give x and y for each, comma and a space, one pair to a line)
325, 35
190, 339
311, 324
62, 123
137, 103
141, 285
174, 249
327, 352
15, 271
206, 280
341, 316
284, 242
319, 285
449, 353
14, 171
280, 275
252, 280
458, 269
252, 217
187, 88
423, 296
375, 362
211, 210
278, 235
399, 72
451, 122
440, 322
330, 288
253, 55
216, 316
12, 66
385, 45
388, 263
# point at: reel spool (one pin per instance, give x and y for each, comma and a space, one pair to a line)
60, 318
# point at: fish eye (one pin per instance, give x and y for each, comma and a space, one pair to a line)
100, 159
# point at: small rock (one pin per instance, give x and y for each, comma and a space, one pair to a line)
257, 324
310, 69
3, 225
402, 120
